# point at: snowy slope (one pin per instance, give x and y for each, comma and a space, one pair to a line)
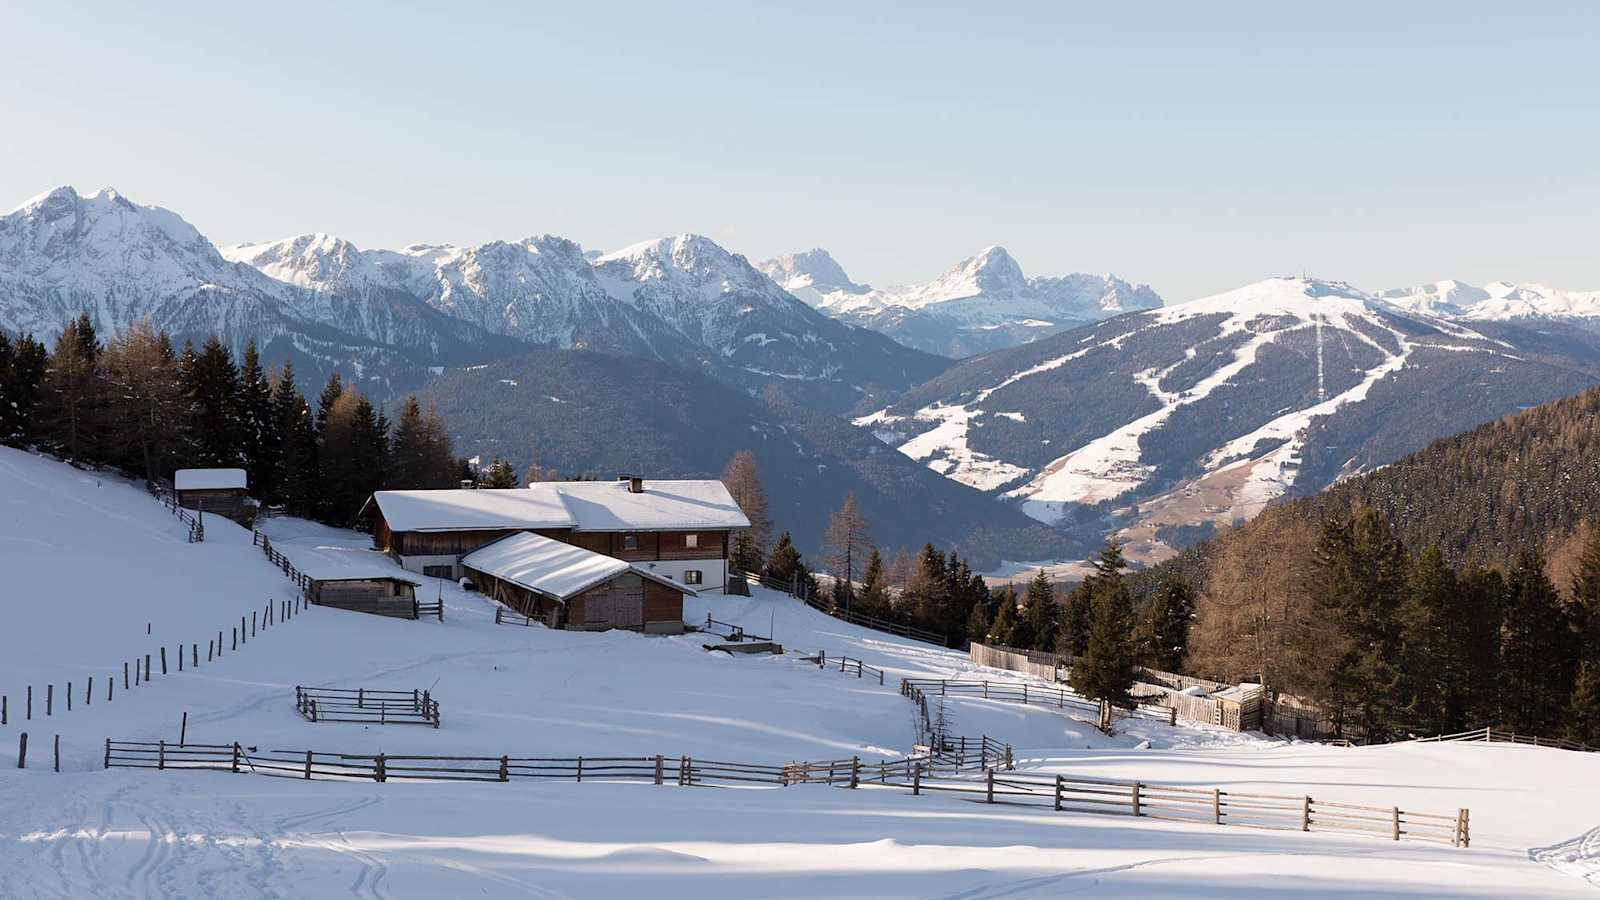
1205, 411
984, 303
128, 833
1499, 301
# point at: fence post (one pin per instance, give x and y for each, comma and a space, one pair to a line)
1136, 799
111, 683
22, 751
58, 753
194, 654
1397, 823
69, 696
163, 660
1058, 793
124, 676
580, 770
683, 771
236, 757
1010, 764
659, 766
916, 779
1466, 827
108, 753
855, 771
30, 702
183, 730
308, 765
147, 667
161, 755
1305, 814
989, 786
1216, 806
378, 771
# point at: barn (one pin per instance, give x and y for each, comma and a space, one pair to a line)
218, 491
383, 595
678, 529
566, 586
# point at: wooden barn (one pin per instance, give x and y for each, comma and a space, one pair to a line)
570, 587
383, 595
678, 529
221, 492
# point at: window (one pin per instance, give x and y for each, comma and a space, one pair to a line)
692, 576
630, 542
691, 541
439, 571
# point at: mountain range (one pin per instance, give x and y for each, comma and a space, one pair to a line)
1158, 425
984, 303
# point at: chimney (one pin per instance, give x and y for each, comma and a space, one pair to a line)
468, 484
635, 485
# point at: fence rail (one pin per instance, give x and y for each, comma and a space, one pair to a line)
1062, 793
378, 707
169, 499
847, 664
503, 616
300, 579
1490, 735
1030, 695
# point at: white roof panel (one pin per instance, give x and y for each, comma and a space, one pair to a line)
676, 505
208, 479
474, 509
552, 567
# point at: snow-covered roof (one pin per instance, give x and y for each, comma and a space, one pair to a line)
551, 567
667, 505
473, 509
208, 479
675, 505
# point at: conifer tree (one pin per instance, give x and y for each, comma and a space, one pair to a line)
211, 381
1041, 614
259, 441
1162, 636
69, 394
500, 475
1582, 720
1483, 601
145, 406
743, 482
1360, 573
1436, 676
874, 598
22, 367
1002, 631
298, 481
783, 564
1105, 670
1534, 667
1586, 596
745, 554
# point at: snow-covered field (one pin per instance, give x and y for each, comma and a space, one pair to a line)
92, 561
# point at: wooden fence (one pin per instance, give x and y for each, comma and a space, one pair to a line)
916, 774
375, 707
846, 664
169, 499
1503, 736
300, 579
1030, 695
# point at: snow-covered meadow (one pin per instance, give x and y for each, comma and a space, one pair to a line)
92, 561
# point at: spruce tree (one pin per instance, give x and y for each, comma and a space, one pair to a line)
1041, 614
260, 443
1106, 669
22, 367
1535, 652
1582, 720
745, 554
874, 597
69, 393
1586, 596
1483, 603
212, 382
1002, 631
1436, 676
1162, 636
500, 475
298, 480
783, 564
1360, 572
1073, 635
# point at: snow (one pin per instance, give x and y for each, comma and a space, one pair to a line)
545, 565
663, 505
89, 832
208, 479
537, 506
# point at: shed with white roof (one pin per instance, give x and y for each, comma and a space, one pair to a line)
569, 587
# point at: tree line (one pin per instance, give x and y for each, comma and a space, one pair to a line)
1390, 640
140, 404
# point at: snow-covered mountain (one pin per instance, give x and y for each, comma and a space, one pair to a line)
1498, 301
684, 300
984, 303
1205, 411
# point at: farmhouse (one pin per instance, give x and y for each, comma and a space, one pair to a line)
569, 587
677, 529
218, 491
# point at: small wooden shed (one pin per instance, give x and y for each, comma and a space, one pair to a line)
221, 492
383, 595
570, 587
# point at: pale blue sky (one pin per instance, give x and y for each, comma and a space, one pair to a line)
1195, 146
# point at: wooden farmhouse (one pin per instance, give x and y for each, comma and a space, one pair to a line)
566, 586
218, 491
677, 530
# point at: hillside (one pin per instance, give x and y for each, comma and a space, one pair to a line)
1153, 423
586, 413
1525, 480
88, 831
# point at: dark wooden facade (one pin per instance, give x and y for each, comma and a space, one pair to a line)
446, 543
378, 595
628, 600
632, 546
230, 502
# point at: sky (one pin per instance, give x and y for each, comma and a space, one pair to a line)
1194, 147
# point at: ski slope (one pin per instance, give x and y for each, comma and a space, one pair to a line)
91, 561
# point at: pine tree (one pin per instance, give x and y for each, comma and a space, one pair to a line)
22, 367
1361, 571
1072, 638
500, 475
1041, 614
1162, 636
783, 564
331, 392
874, 598
1534, 667
299, 479
981, 618
1003, 630
212, 383
1582, 720
1106, 671
1483, 603
745, 554
743, 482
1436, 676
69, 393
259, 441
1586, 596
